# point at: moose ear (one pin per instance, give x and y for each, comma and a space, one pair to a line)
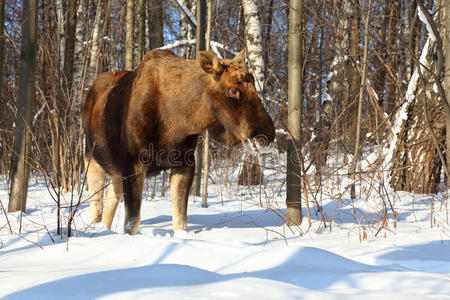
210, 63
240, 58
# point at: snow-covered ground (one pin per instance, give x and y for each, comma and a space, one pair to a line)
234, 249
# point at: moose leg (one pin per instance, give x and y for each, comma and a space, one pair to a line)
132, 189
96, 177
180, 184
113, 195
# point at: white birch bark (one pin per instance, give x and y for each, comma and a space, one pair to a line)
60, 24
129, 37
186, 30
342, 45
79, 57
251, 172
254, 41
93, 60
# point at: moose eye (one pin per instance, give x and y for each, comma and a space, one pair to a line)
234, 93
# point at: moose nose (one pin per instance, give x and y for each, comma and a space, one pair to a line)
264, 134
270, 132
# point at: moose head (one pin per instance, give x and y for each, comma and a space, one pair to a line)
234, 101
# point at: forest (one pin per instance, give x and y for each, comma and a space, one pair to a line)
359, 94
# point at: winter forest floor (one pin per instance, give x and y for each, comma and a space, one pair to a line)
235, 248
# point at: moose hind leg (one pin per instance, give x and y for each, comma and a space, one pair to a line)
180, 185
114, 194
132, 188
96, 177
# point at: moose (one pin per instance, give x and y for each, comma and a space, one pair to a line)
147, 120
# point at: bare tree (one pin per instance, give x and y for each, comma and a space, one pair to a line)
206, 134
141, 31
447, 80
2, 50
155, 24
26, 98
200, 45
360, 102
95, 43
251, 173
69, 48
79, 57
295, 98
187, 31
129, 37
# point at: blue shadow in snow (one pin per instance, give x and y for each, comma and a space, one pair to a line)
328, 269
429, 257
247, 219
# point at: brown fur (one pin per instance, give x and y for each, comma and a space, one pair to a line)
149, 119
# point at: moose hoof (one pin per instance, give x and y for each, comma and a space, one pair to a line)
132, 226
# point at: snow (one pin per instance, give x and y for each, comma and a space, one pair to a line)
38, 113
234, 249
214, 46
427, 24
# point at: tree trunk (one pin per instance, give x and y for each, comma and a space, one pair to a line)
129, 37
254, 42
295, 98
338, 87
187, 32
69, 47
391, 95
2, 59
155, 24
251, 173
200, 46
354, 76
206, 135
26, 98
2, 50
446, 41
79, 57
141, 31
416, 166
60, 31
360, 101
93, 60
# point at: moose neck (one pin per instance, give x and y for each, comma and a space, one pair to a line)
192, 116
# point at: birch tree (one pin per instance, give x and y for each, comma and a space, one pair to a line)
95, 43
69, 47
2, 51
421, 125
129, 37
20, 171
251, 173
79, 57
200, 46
338, 86
254, 43
206, 134
141, 31
187, 32
155, 24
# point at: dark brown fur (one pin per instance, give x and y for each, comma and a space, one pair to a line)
149, 119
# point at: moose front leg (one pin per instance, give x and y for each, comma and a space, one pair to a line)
132, 188
180, 185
